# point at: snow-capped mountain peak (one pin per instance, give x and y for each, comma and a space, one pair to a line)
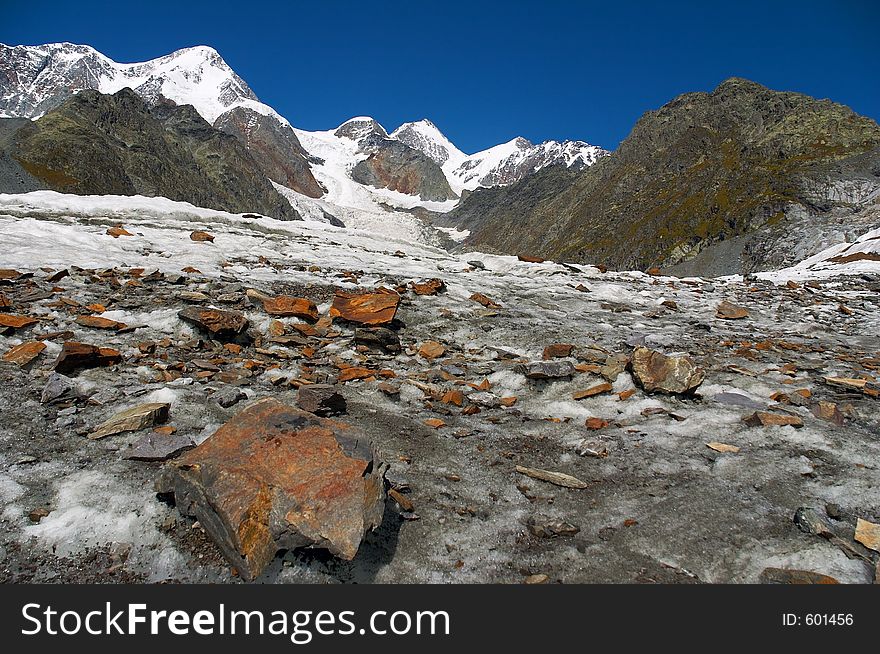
360, 128
423, 135
45, 75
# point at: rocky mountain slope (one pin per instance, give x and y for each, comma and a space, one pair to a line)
699, 430
96, 144
35, 79
703, 169
499, 165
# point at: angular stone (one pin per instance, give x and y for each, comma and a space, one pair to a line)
24, 354
557, 478
133, 419
435, 423
546, 369
453, 396
58, 389
847, 383
597, 389
790, 576
767, 419
429, 287
656, 372
116, 232
391, 390
729, 311
431, 350
485, 301
595, 424
868, 534
286, 306
722, 447
97, 322
558, 351
157, 446
75, 356
529, 259
377, 337
828, 411
222, 325
200, 237
376, 308
229, 396
274, 478
355, 372
10, 322
738, 399
613, 365
321, 399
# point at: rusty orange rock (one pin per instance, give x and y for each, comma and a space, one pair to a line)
602, 387
75, 356
9, 321
558, 351
200, 236
24, 354
435, 423
729, 311
428, 287
276, 478
767, 419
529, 259
116, 232
453, 397
485, 301
431, 350
376, 308
286, 306
350, 374
100, 323
595, 424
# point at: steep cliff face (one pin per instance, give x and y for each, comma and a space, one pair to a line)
703, 169
101, 144
398, 167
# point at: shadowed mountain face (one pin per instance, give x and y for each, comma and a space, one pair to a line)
103, 144
398, 167
705, 168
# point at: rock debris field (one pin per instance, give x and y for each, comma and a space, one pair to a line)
297, 403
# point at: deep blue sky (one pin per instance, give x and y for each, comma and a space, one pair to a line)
485, 72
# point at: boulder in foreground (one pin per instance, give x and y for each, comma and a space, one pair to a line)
375, 308
656, 372
275, 478
222, 325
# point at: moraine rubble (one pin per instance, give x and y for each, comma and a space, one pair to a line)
539, 421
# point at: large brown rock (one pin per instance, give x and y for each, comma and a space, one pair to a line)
656, 372
286, 306
275, 478
222, 325
76, 356
376, 308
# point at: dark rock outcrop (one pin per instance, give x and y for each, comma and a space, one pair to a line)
398, 167
102, 144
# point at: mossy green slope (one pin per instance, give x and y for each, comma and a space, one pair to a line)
703, 168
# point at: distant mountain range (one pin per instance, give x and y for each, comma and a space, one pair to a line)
740, 179
416, 160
